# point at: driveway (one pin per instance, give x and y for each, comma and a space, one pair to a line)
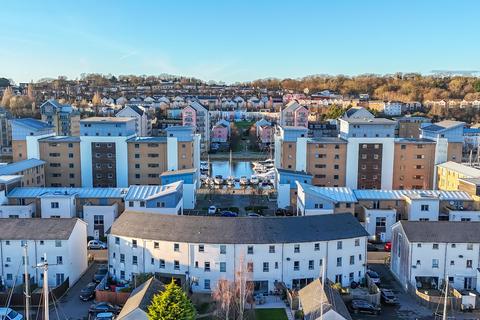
70, 306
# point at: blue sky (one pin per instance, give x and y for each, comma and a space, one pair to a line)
237, 40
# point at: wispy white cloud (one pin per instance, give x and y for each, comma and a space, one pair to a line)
128, 55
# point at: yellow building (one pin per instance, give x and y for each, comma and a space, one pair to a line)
449, 175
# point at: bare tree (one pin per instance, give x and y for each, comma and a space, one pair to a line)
232, 296
243, 287
223, 296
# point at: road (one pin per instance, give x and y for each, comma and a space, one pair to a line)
70, 306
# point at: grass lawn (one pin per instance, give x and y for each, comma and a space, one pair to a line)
244, 124
270, 314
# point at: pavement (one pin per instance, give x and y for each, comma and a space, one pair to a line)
70, 306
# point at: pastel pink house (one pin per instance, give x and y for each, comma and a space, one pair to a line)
189, 116
264, 130
219, 133
294, 115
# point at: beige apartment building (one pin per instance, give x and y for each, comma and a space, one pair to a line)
62, 157
326, 161
413, 164
147, 160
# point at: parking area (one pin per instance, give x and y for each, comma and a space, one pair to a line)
407, 308
234, 201
70, 306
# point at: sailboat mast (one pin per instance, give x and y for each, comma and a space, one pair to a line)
45, 288
444, 316
323, 289
27, 283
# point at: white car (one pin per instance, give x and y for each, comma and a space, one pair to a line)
9, 314
212, 210
96, 245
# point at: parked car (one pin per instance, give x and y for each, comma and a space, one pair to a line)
229, 214
388, 246
212, 210
388, 297
371, 247
374, 276
100, 274
9, 314
96, 245
88, 293
253, 214
105, 316
363, 306
102, 307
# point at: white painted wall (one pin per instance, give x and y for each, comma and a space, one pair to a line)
371, 215
26, 211
387, 160
109, 213
33, 148
172, 154
121, 158
301, 155
136, 207
66, 206
284, 256
73, 252
415, 212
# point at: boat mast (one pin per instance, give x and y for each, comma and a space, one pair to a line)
230, 164
444, 316
44, 266
27, 282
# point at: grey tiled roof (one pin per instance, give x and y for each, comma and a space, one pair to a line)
141, 297
36, 228
229, 230
442, 231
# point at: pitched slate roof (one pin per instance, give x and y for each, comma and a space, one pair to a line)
34, 192
313, 295
32, 123
335, 194
37, 228
229, 230
141, 297
443, 125
442, 231
16, 167
465, 170
151, 192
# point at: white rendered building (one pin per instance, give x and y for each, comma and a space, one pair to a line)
202, 250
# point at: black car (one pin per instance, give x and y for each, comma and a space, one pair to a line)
388, 297
103, 307
371, 247
88, 293
100, 274
363, 306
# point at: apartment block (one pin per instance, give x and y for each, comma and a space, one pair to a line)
196, 116
412, 165
64, 118
294, 115
31, 172
450, 175
62, 157
25, 133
